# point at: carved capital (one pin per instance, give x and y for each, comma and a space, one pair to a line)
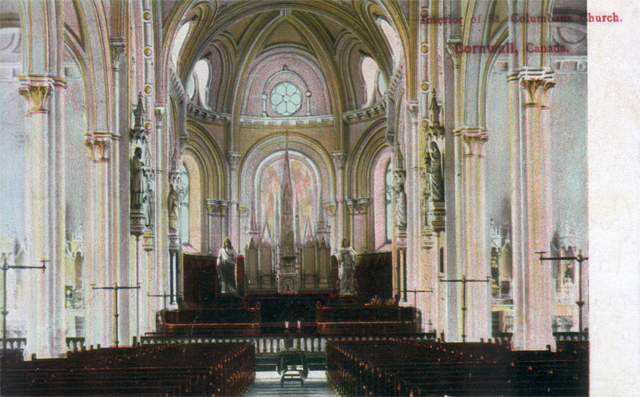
339, 158
455, 55
98, 144
147, 240
536, 85
412, 108
160, 112
438, 214
216, 207
234, 159
427, 238
329, 209
138, 221
37, 90
358, 206
117, 51
474, 140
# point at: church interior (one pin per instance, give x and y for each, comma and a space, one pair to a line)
393, 175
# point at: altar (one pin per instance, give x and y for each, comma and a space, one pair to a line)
203, 311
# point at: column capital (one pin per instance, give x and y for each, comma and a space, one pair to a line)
339, 158
474, 140
234, 159
118, 46
358, 206
456, 56
216, 207
536, 83
37, 90
98, 144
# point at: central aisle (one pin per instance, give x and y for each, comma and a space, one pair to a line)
268, 384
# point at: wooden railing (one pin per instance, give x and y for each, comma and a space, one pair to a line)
269, 344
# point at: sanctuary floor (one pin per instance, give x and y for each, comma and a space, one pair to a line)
268, 384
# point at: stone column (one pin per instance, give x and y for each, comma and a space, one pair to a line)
339, 158
531, 210
44, 212
216, 210
476, 266
233, 220
101, 269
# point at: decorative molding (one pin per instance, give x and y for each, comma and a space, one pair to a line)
325, 120
571, 65
375, 110
176, 85
208, 115
396, 82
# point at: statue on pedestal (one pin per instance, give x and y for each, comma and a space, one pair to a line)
172, 203
347, 261
137, 179
435, 169
227, 267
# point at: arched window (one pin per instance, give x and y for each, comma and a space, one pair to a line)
388, 206
184, 206
191, 86
369, 71
178, 43
394, 41
203, 74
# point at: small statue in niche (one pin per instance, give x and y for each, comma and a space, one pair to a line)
401, 199
150, 205
434, 165
347, 261
172, 203
137, 179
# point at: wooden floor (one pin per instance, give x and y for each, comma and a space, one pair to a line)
268, 384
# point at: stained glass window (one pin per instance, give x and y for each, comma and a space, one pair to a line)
286, 98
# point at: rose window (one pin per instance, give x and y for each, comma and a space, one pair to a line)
286, 98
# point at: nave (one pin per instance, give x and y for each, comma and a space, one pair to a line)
267, 384
368, 367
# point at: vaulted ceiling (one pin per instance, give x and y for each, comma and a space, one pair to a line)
336, 35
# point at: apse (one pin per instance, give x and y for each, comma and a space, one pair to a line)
268, 181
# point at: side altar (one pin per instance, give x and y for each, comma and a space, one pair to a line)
203, 311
